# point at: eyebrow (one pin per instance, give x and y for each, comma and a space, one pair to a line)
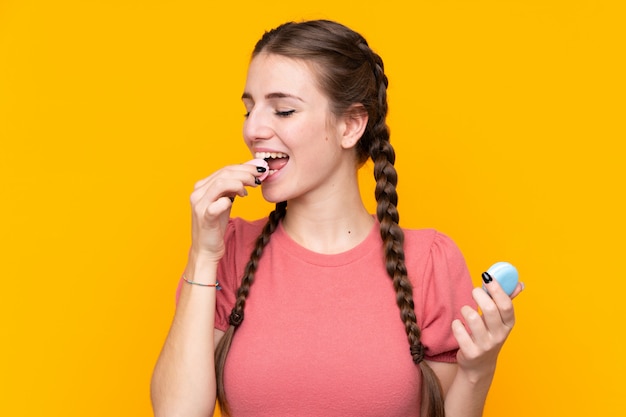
270, 96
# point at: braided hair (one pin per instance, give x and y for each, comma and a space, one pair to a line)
349, 72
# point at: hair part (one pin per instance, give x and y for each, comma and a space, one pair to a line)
349, 73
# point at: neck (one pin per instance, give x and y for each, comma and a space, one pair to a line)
329, 225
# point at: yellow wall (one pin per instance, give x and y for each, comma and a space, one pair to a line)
507, 116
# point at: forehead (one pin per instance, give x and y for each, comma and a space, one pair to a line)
271, 73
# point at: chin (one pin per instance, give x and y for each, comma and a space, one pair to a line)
278, 194
272, 197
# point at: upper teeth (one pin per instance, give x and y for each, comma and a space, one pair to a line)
265, 155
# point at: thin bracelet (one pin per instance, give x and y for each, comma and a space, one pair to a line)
216, 285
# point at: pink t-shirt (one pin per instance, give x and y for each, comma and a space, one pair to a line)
322, 334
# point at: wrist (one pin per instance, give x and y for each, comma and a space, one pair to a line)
202, 257
201, 267
476, 377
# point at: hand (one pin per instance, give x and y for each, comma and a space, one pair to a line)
482, 336
211, 202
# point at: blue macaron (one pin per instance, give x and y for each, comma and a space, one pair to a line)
506, 275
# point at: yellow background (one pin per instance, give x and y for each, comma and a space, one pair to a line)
508, 120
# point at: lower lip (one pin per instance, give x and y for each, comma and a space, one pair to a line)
272, 175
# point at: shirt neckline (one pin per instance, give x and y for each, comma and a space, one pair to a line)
363, 249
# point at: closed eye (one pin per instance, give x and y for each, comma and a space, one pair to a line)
285, 113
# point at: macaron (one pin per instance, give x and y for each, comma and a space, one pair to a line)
506, 275
260, 163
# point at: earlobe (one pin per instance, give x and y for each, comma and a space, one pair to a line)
355, 122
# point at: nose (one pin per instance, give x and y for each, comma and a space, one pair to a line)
257, 126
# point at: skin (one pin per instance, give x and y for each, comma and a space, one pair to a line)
323, 194
288, 113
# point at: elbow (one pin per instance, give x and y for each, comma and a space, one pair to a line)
167, 401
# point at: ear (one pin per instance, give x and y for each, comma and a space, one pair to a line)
354, 124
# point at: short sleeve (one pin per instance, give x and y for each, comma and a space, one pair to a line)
446, 287
238, 239
227, 277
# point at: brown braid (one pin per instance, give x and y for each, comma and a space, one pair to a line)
393, 238
383, 155
236, 316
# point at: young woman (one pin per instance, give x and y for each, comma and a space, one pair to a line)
324, 309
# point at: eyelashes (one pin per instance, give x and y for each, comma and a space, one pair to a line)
285, 113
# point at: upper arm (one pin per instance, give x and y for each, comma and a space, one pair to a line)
217, 336
446, 372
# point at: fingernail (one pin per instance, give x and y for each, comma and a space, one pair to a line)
257, 181
261, 169
486, 278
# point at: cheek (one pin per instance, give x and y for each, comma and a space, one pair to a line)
318, 130
246, 138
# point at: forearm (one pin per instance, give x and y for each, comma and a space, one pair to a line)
183, 382
479, 346
467, 395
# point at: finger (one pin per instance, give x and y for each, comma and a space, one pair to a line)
475, 324
234, 171
221, 187
262, 168
462, 336
218, 207
518, 289
227, 170
496, 305
206, 203
490, 313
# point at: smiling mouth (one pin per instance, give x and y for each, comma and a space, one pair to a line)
275, 160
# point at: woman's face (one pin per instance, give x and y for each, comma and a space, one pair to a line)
289, 123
